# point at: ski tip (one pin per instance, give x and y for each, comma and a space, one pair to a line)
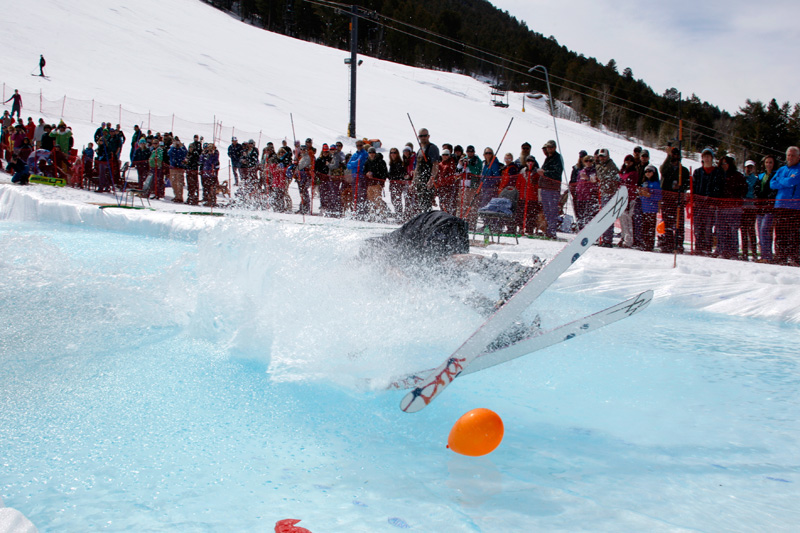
412, 402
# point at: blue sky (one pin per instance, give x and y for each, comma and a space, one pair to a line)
725, 52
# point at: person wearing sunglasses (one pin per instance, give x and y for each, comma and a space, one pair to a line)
427, 168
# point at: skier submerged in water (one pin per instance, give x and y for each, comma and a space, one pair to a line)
436, 243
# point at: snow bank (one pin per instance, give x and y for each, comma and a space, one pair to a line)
44, 204
12, 521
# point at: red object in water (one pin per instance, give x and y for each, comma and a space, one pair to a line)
287, 525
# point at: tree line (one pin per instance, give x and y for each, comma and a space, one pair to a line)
600, 94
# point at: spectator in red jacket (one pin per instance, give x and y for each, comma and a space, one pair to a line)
445, 183
30, 128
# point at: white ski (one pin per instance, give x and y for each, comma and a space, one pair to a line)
476, 344
542, 340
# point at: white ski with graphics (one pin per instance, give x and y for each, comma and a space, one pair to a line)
542, 340
504, 317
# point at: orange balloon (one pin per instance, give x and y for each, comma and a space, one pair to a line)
476, 433
661, 228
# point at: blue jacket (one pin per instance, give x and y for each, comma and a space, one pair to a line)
356, 163
177, 156
786, 181
491, 170
751, 180
650, 203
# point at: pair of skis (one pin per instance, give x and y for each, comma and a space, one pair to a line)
541, 340
473, 349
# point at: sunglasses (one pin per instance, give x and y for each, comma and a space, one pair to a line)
487, 153
426, 135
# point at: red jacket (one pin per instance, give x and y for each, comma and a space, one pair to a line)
447, 176
630, 179
528, 187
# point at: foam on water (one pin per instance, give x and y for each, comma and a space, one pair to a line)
150, 384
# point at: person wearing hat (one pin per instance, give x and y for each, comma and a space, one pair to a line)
193, 152
177, 169
469, 167
235, 156
637, 155
707, 183
729, 211
674, 183
327, 192
376, 173
608, 182
524, 152
156, 162
748, 225
140, 161
550, 186
427, 167
445, 183
303, 175
649, 194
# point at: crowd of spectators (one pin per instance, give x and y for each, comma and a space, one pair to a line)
750, 215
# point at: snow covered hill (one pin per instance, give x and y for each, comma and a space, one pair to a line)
187, 58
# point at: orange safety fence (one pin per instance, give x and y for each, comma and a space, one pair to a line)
96, 112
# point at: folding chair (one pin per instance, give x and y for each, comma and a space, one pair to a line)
131, 193
500, 212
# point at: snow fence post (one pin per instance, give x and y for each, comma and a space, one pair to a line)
120, 115
63, 105
40, 100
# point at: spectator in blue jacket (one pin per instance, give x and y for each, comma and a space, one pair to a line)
787, 209
649, 196
490, 177
177, 168
359, 181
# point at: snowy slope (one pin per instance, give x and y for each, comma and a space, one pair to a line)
187, 58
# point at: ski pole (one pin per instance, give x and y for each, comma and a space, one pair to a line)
416, 136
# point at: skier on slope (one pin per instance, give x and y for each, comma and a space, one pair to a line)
42, 63
16, 105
